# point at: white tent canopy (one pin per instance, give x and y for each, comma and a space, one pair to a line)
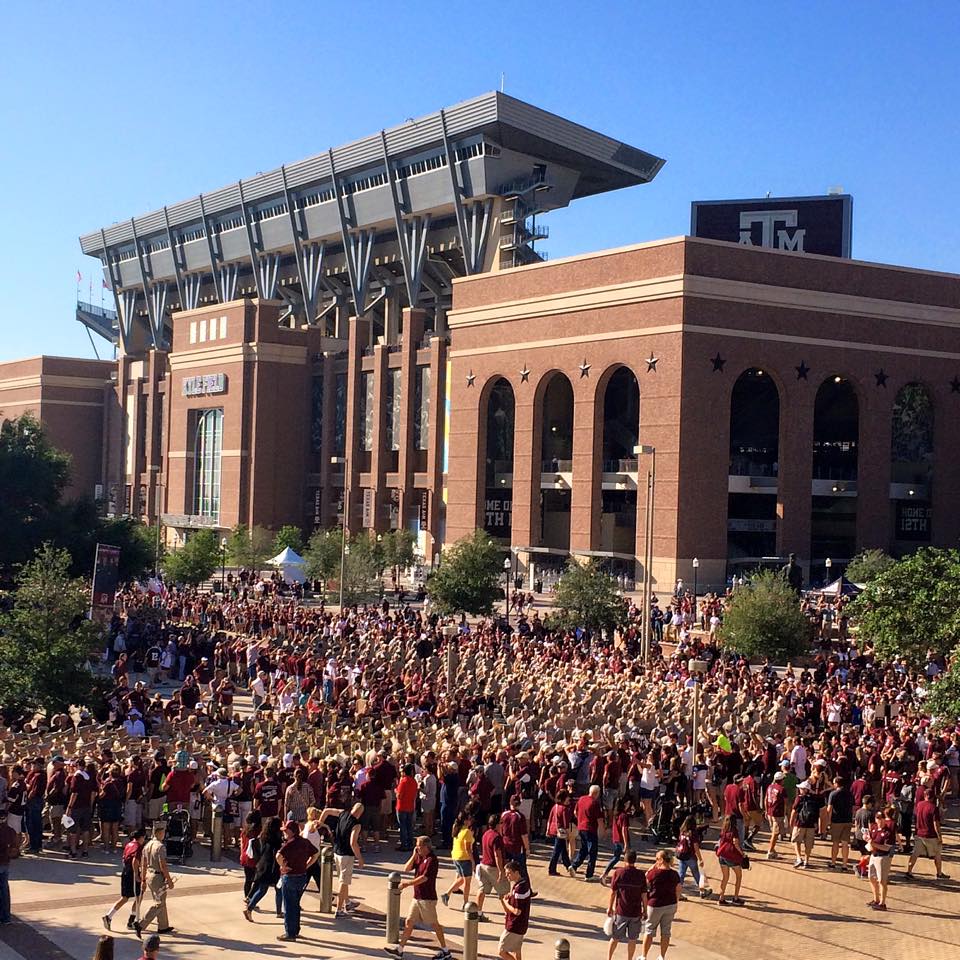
290, 564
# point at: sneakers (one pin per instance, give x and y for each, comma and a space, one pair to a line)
106, 921
880, 906
394, 951
247, 915
943, 876
873, 903
482, 918
443, 954
137, 929
571, 871
909, 876
445, 897
773, 855
797, 864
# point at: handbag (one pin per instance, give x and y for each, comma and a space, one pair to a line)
746, 862
562, 833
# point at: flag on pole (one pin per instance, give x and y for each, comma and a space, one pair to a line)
106, 286
79, 277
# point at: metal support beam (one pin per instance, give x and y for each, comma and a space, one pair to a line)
268, 270
156, 325
309, 299
457, 192
158, 300
310, 263
478, 221
192, 284
252, 246
122, 329
210, 252
357, 248
229, 274
175, 256
128, 312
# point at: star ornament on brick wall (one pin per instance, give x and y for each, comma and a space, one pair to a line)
652, 362
471, 376
802, 370
524, 374
718, 363
881, 377
584, 368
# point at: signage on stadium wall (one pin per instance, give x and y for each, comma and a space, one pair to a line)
497, 513
821, 225
106, 575
205, 385
368, 509
424, 509
913, 521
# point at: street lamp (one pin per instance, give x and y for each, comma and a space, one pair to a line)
696, 668
648, 545
223, 566
828, 563
696, 571
507, 569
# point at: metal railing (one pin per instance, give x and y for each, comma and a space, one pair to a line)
96, 311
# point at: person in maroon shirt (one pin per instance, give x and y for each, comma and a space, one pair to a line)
516, 835
490, 871
883, 842
56, 797
82, 788
588, 813
516, 913
663, 894
266, 794
929, 839
295, 858
423, 910
36, 787
627, 905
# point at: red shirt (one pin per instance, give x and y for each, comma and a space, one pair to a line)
928, 816
589, 813
179, 784
776, 800
629, 885
513, 828
426, 867
267, 792
84, 787
406, 795
489, 844
621, 826
731, 800
296, 852
883, 834
663, 884
519, 899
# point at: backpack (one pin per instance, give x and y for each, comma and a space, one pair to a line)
684, 847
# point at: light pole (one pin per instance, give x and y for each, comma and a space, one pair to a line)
696, 571
696, 668
647, 545
223, 566
828, 563
343, 523
507, 570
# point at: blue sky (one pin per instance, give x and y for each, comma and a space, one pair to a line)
113, 109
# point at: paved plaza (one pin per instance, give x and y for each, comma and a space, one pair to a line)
58, 904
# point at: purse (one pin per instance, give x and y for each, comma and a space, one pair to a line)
746, 862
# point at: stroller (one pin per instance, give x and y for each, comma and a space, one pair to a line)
663, 824
179, 840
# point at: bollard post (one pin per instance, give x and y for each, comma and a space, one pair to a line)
393, 908
470, 931
561, 949
326, 879
216, 832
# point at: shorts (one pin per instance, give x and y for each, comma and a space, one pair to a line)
155, 808
729, 863
510, 941
386, 804
627, 929
424, 911
878, 867
609, 799
132, 814
344, 864
81, 820
129, 887
660, 918
927, 847
15, 822
805, 836
463, 868
110, 811
646, 794
370, 819
840, 832
778, 823
487, 876
55, 812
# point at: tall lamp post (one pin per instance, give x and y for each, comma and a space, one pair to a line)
828, 563
223, 566
696, 571
697, 668
507, 570
645, 448
343, 523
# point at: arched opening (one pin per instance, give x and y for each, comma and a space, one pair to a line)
754, 465
911, 466
621, 432
208, 442
556, 462
836, 429
498, 474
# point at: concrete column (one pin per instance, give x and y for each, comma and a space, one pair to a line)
328, 500
526, 473
435, 444
873, 468
587, 450
413, 323
796, 467
357, 336
379, 449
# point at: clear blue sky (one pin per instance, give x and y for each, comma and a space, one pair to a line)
113, 109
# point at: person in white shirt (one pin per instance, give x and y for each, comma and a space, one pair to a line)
798, 757
133, 725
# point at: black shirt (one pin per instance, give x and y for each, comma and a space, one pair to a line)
808, 810
841, 803
342, 832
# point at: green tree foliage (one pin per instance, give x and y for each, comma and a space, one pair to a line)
469, 578
397, 546
33, 475
912, 607
45, 640
322, 556
763, 619
943, 701
588, 597
81, 528
195, 561
362, 565
290, 536
249, 547
868, 565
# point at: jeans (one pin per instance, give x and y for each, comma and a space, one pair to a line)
589, 848
260, 892
34, 825
614, 858
447, 815
690, 865
4, 895
405, 823
521, 860
741, 829
291, 890
559, 854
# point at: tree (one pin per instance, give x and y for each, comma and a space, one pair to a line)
588, 597
80, 528
290, 536
943, 700
468, 579
322, 556
911, 608
868, 565
46, 641
33, 476
398, 549
195, 561
249, 547
763, 619
362, 564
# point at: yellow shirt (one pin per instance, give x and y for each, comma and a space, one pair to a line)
462, 845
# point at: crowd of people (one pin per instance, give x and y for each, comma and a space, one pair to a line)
354, 736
